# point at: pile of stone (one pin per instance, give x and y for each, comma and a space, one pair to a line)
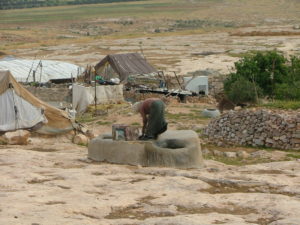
276, 129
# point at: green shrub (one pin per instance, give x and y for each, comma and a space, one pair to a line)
270, 73
242, 90
288, 91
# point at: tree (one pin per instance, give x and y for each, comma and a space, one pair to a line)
263, 68
267, 74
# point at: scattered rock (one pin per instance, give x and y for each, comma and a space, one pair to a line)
90, 134
260, 154
230, 154
243, 154
19, 137
217, 153
213, 170
296, 27
84, 129
81, 139
220, 144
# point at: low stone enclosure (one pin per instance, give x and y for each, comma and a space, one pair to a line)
56, 95
257, 127
178, 149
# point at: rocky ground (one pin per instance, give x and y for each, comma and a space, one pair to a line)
51, 181
54, 183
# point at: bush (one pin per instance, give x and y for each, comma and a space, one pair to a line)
242, 90
288, 91
270, 73
263, 68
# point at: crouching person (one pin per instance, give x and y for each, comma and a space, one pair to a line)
152, 111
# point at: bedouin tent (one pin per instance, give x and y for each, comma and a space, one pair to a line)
124, 65
42, 71
19, 109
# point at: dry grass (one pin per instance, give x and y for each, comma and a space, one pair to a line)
49, 26
264, 33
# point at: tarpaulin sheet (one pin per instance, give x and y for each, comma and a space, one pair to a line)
127, 64
85, 96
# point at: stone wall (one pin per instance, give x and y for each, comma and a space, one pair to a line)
60, 95
215, 84
276, 129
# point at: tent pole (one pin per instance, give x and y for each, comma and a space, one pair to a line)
163, 74
41, 65
30, 70
177, 79
95, 96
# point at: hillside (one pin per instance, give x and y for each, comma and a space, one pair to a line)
20, 4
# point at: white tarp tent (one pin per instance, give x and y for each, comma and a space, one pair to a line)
85, 96
198, 84
19, 109
45, 70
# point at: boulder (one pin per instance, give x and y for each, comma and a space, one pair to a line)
90, 134
243, 154
19, 137
81, 139
217, 153
230, 154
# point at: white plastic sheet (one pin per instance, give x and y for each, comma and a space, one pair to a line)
45, 70
85, 96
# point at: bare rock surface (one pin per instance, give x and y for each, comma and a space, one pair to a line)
54, 183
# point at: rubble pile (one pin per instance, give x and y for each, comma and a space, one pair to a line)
202, 99
276, 129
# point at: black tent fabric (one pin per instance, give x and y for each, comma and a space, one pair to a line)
127, 64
